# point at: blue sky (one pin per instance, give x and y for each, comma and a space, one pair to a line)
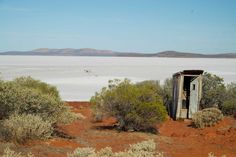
203, 26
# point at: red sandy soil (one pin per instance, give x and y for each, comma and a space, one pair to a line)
175, 138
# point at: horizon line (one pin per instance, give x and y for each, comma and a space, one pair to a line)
135, 52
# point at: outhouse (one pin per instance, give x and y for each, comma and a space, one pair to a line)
187, 92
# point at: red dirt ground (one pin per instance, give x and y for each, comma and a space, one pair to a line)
175, 138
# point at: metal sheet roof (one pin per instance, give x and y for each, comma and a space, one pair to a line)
189, 72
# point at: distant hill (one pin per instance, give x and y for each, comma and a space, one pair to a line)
175, 54
62, 52
95, 52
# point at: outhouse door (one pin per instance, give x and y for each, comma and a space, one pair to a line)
193, 102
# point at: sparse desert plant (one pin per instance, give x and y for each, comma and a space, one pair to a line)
207, 117
105, 152
10, 153
213, 91
29, 109
20, 128
90, 152
145, 148
83, 152
42, 87
153, 85
229, 108
67, 117
148, 146
15, 98
142, 149
167, 92
98, 116
229, 105
212, 155
135, 106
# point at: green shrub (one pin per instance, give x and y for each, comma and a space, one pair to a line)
207, 117
105, 152
28, 97
148, 146
213, 91
229, 106
11, 153
67, 117
8, 96
153, 86
20, 128
83, 152
167, 92
42, 87
142, 149
135, 106
15, 98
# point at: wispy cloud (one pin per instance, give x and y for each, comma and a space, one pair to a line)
54, 35
13, 8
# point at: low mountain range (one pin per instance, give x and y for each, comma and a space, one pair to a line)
95, 52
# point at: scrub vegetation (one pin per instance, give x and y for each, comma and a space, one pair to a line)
142, 149
217, 94
19, 128
135, 106
29, 109
229, 105
213, 91
10, 153
33, 110
207, 117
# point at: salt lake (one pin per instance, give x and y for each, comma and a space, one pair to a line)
78, 78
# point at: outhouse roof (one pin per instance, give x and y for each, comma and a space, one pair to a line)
189, 72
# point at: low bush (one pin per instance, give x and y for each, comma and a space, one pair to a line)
97, 116
15, 98
29, 108
167, 92
105, 152
135, 106
152, 85
10, 153
212, 155
207, 117
42, 87
229, 108
66, 116
20, 128
83, 152
229, 105
213, 91
148, 146
142, 149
